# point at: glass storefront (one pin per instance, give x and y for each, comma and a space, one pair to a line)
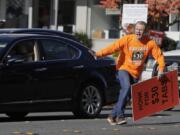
16, 14
66, 14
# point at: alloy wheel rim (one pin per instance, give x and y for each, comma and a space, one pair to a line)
91, 100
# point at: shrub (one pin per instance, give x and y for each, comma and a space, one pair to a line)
83, 38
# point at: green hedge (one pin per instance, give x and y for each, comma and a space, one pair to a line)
83, 38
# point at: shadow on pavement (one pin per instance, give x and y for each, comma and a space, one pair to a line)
48, 117
57, 116
152, 124
38, 118
61, 117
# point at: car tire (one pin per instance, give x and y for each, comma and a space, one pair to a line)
89, 103
16, 115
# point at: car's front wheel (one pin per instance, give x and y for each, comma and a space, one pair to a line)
89, 102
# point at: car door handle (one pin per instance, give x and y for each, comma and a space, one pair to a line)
78, 67
40, 69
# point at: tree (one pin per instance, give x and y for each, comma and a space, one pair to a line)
161, 8
158, 10
110, 3
114, 3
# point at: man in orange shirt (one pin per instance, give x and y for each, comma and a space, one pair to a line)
133, 51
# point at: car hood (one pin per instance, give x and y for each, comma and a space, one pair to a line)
172, 53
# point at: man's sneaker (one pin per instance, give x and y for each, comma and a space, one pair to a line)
111, 120
121, 120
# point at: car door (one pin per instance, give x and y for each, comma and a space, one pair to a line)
15, 76
58, 79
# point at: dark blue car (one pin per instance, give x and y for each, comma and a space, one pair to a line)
38, 31
42, 73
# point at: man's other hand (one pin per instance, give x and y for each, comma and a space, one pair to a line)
160, 75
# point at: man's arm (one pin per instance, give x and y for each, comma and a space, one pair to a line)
112, 48
158, 56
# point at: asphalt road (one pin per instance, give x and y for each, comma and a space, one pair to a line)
64, 123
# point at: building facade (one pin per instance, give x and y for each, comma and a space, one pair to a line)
64, 15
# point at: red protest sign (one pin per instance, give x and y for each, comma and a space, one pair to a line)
156, 36
153, 95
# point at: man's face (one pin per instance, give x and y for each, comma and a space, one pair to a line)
139, 30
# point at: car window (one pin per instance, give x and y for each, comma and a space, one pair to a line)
26, 51
178, 45
2, 45
168, 44
54, 49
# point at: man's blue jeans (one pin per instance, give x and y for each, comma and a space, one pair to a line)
126, 80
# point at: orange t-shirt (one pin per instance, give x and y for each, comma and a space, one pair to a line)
133, 53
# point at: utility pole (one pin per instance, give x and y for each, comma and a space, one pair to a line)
30, 16
54, 14
120, 25
136, 2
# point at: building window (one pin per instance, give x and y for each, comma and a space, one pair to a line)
66, 15
15, 16
104, 24
44, 13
